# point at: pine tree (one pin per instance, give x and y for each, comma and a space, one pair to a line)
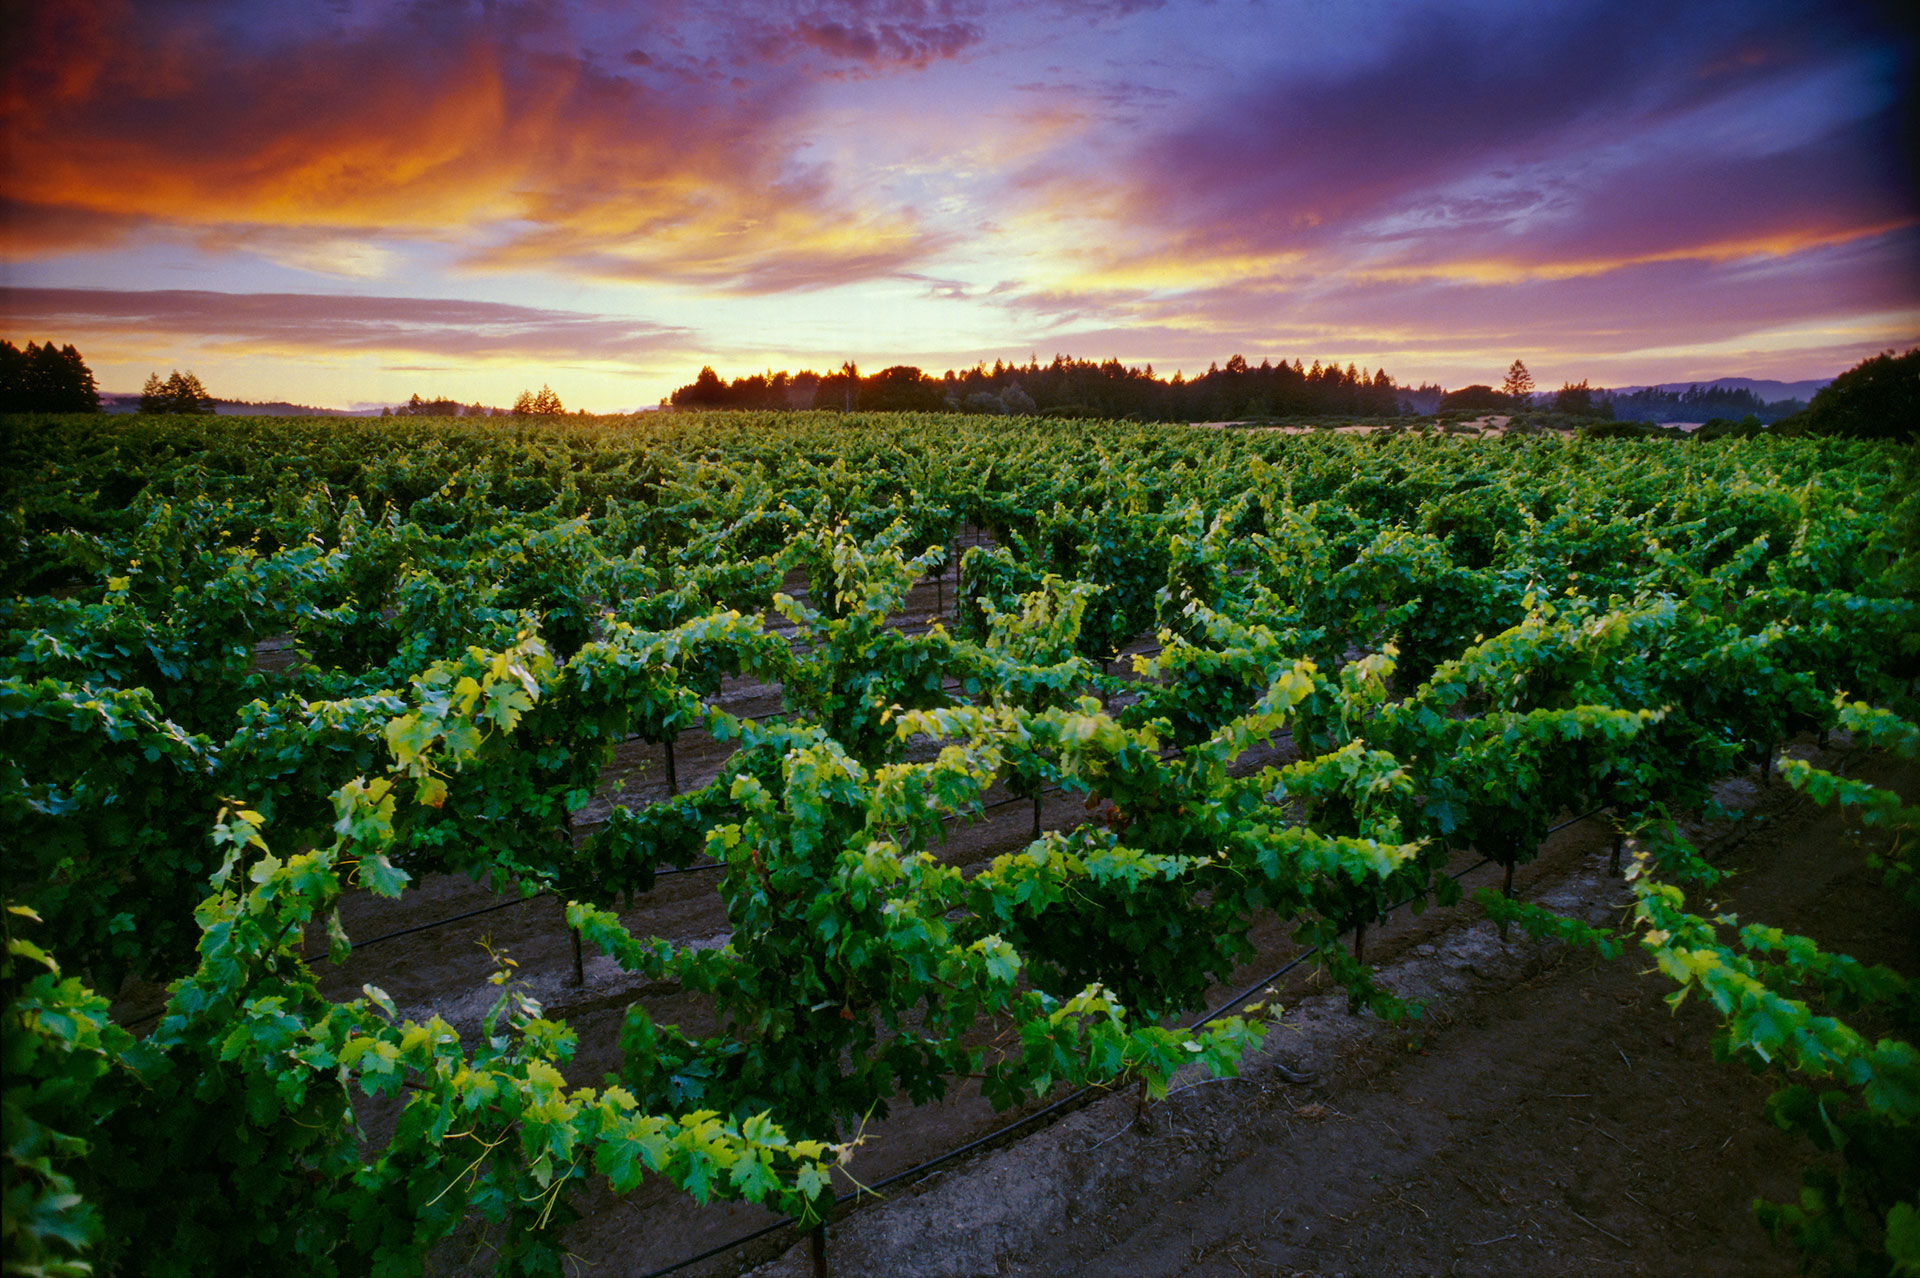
80, 391
1574, 397
181, 393
188, 395
1519, 385
14, 364
46, 379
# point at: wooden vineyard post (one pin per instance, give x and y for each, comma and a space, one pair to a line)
940, 584
1036, 814
1613, 862
817, 1249
573, 934
673, 776
579, 960
1506, 889
1359, 942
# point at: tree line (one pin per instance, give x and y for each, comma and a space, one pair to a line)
1879, 397
1067, 387
1699, 404
541, 403
1070, 387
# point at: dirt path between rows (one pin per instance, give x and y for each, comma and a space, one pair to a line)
1547, 1115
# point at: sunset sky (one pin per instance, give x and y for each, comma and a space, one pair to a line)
350, 201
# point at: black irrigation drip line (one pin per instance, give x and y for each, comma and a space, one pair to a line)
1401, 904
1006, 803
1555, 829
428, 927
388, 936
711, 1252
689, 869
1303, 956
1000, 1133
138, 1021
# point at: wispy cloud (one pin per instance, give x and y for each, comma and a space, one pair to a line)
895, 44
296, 323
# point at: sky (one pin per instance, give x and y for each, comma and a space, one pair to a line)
344, 202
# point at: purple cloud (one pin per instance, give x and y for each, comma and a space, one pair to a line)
890, 43
1535, 112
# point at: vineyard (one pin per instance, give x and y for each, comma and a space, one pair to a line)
422, 837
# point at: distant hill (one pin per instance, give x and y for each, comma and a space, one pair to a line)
128, 402
1732, 398
1770, 391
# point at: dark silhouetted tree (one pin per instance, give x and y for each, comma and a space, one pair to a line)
543, 404
1697, 404
180, 393
1477, 398
707, 391
1064, 388
901, 389
849, 387
443, 407
46, 379
1878, 398
1577, 398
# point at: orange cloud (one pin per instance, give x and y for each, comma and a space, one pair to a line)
480, 137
